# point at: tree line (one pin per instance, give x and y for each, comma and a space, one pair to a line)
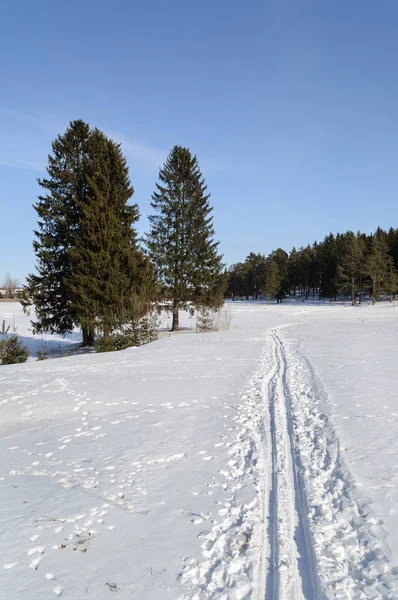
92, 269
348, 264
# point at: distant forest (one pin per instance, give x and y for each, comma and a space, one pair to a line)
351, 265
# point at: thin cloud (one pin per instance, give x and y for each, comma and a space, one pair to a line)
23, 164
37, 121
153, 158
150, 157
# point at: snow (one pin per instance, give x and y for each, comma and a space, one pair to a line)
13, 315
255, 462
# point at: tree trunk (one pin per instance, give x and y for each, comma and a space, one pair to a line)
353, 291
175, 326
85, 337
88, 336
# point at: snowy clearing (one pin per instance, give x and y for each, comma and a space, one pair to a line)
257, 463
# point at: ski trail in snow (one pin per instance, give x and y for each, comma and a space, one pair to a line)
291, 571
301, 535
349, 544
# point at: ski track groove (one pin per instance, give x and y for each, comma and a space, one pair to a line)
352, 556
303, 536
289, 542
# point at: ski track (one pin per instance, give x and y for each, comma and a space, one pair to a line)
301, 534
352, 557
292, 572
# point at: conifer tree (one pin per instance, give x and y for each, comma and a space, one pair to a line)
88, 263
392, 278
272, 280
109, 268
281, 258
65, 189
181, 238
377, 264
351, 264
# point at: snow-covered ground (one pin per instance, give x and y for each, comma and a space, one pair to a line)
12, 314
257, 462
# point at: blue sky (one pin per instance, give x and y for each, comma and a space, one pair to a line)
291, 107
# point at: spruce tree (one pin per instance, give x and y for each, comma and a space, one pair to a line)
181, 238
58, 212
109, 267
90, 267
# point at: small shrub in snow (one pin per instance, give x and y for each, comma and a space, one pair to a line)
135, 334
12, 351
204, 320
212, 320
43, 353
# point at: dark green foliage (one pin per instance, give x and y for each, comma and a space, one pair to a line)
204, 320
12, 351
134, 334
392, 278
181, 239
377, 263
90, 269
348, 265
248, 278
107, 263
273, 280
351, 264
58, 209
279, 281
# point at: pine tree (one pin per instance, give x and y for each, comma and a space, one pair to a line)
89, 267
328, 258
181, 238
281, 258
392, 278
377, 264
351, 263
272, 280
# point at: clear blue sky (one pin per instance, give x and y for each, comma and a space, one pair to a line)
291, 107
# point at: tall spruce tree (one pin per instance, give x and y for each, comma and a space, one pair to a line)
181, 238
110, 270
90, 268
58, 213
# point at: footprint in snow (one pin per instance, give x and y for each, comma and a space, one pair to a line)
58, 590
10, 565
35, 562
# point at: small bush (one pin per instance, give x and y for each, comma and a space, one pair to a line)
43, 352
212, 320
135, 334
12, 350
115, 341
204, 320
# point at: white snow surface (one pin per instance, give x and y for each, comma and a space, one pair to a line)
257, 462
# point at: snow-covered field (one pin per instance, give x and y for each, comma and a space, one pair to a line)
258, 462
